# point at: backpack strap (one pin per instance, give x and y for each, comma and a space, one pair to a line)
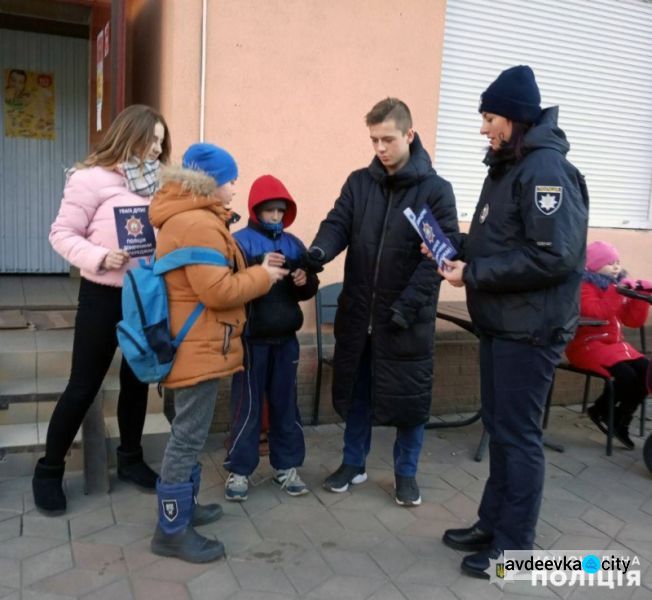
192, 255
190, 321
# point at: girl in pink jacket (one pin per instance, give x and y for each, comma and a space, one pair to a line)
603, 348
101, 227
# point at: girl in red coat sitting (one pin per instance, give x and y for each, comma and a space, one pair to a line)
603, 348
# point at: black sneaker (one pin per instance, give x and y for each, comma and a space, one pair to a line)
407, 491
345, 475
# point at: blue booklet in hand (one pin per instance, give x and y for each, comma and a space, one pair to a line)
430, 232
135, 232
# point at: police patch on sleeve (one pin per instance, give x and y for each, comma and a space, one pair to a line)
548, 198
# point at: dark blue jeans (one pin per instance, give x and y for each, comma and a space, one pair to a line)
515, 380
270, 371
357, 433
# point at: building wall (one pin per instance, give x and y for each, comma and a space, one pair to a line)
32, 171
289, 83
163, 57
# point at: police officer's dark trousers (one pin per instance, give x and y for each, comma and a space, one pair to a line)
270, 371
515, 380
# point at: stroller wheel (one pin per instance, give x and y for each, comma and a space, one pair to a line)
647, 453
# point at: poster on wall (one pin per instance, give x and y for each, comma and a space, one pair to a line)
29, 104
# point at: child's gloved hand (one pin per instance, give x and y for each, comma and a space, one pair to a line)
644, 285
628, 283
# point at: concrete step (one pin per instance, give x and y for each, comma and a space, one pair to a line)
22, 445
28, 401
26, 354
31, 436
38, 292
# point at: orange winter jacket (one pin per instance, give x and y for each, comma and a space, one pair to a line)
188, 214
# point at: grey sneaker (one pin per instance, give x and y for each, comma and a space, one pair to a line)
236, 487
345, 475
290, 481
407, 491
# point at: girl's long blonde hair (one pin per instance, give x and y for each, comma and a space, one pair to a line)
130, 135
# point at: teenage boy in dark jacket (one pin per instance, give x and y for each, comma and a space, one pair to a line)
384, 326
271, 347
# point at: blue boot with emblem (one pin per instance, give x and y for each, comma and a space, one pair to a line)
174, 535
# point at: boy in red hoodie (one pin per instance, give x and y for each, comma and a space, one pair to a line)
271, 347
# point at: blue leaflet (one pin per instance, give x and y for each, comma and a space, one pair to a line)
430, 232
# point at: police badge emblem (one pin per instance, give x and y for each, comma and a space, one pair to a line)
134, 226
547, 198
428, 232
484, 213
170, 509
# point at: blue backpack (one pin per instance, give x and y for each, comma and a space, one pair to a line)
144, 332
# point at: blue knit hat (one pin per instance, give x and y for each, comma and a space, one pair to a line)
514, 95
213, 161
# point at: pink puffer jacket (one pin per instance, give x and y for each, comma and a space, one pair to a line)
85, 230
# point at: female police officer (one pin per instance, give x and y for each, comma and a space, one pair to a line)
521, 263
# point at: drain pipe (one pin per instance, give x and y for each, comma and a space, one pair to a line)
202, 75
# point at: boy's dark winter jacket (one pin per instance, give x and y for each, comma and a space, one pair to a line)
276, 315
386, 276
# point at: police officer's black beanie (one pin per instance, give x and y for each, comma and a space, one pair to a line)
514, 95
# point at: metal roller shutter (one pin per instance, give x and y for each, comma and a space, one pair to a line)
592, 58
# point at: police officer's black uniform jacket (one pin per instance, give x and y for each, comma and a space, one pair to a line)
526, 245
385, 275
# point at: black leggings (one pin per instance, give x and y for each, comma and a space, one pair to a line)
629, 386
95, 342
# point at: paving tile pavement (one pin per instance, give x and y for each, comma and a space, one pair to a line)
358, 545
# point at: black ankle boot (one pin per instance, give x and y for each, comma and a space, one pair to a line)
598, 417
133, 469
47, 487
621, 432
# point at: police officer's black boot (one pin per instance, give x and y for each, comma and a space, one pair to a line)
175, 535
202, 513
469, 539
